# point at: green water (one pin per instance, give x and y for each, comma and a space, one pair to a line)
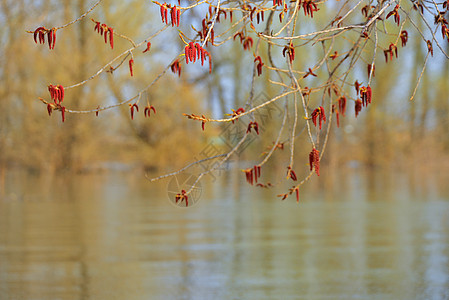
118, 237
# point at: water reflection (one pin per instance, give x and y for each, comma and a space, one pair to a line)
117, 237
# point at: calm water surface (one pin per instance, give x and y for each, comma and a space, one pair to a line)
118, 237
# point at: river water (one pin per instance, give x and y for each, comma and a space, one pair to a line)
117, 236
